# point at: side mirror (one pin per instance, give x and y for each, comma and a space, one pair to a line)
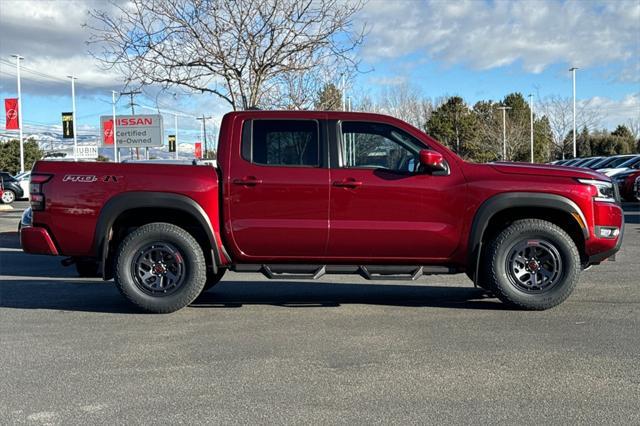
432, 160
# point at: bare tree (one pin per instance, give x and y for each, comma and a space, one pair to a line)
403, 101
634, 126
247, 52
559, 112
406, 103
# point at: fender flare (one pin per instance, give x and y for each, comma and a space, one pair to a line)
500, 202
123, 202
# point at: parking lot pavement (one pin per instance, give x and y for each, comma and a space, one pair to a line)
340, 350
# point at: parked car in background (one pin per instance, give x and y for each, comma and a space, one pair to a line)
559, 162
632, 163
23, 180
572, 162
581, 161
629, 184
612, 162
590, 161
11, 188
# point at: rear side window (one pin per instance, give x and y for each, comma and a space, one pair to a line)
281, 142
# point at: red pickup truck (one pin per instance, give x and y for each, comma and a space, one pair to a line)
299, 195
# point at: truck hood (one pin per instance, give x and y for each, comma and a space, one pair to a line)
547, 170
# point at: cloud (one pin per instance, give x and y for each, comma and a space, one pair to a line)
491, 34
614, 112
51, 37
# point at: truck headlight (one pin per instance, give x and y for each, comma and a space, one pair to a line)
603, 190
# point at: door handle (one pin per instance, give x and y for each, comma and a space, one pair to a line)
247, 181
347, 183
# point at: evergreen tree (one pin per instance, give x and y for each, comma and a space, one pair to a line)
453, 124
329, 98
10, 155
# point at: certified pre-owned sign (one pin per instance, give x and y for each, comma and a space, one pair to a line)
132, 131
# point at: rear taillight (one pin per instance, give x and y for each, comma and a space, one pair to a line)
36, 193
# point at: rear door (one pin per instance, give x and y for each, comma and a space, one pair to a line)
278, 190
383, 208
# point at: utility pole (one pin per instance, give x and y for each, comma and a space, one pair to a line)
18, 59
344, 87
504, 132
133, 112
203, 132
573, 71
116, 152
175, 123
531, 122
73, 114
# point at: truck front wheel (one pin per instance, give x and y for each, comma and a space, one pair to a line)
532, 264
160, 268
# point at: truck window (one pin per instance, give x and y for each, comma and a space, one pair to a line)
376, 145
282, 143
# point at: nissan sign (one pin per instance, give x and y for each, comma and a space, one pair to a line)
132, 131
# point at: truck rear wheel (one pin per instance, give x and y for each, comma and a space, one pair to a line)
160, 268
532, 264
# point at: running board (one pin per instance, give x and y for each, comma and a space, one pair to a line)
369, 272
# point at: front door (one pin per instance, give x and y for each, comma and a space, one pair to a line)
385, 209
278, 191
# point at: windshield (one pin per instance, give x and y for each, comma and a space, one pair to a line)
631, 162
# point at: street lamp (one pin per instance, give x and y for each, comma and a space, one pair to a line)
18, 59
504, 131
573, 71
531, 122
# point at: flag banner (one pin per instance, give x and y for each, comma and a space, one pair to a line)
198, 150
67, 125
11, 113
172, 143
107, 132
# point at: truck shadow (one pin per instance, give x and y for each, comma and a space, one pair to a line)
100, 297
631, 213
236, 294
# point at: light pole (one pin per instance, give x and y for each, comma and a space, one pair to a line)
573, 71
504, 132
203, 133
73, 114
175, 123
531, 122
344, 99
18, 59
115, 134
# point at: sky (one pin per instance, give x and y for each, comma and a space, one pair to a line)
477, 49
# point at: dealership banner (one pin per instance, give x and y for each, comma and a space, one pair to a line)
132, 131
11, 114
106, 128
198, 150
67, 125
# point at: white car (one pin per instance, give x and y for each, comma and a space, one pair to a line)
23, 180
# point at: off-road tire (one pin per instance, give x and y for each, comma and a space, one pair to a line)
87, 268
496, 276
193, 262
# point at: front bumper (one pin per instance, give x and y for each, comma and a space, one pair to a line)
600, 248
36, 240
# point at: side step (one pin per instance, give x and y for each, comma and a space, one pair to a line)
369, 272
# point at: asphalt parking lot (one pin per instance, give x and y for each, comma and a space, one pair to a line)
340, 350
